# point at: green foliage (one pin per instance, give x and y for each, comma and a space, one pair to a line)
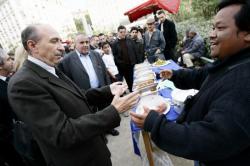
198, 14
204, 8
195, 8
88, 19
202, 25
79, 25
185, 11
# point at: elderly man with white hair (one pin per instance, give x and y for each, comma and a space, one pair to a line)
195, 49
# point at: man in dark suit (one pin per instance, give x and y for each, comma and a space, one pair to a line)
86, 68
57, 110
170, 35
8, 154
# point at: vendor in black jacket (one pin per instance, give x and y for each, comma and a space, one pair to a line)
214, 127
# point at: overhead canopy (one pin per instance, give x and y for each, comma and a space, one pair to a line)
172, 6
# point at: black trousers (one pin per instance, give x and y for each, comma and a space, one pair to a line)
126, 71
169, 53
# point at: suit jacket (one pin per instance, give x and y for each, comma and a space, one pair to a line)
71, 66
6, 115
169, 33
58, 112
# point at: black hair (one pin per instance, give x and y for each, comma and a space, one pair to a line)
67, 50
103, 44
134, 28
242, 18
101, 34
29, 33
121, 27
92, 37
11, 53
161, 12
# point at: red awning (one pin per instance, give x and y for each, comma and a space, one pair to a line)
172, 6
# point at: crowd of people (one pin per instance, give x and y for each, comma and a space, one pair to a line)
58, 101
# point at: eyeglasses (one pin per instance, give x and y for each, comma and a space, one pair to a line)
150, 23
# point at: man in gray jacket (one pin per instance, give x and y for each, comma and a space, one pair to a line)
154, 42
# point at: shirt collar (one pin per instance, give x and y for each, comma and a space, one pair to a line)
121, 38
152, 31
42, 64
3, 78
80, 55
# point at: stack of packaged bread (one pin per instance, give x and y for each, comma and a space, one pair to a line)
144, 79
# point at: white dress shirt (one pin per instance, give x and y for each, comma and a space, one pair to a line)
162, 27
87, 64
43, 65
3, 78
109, 62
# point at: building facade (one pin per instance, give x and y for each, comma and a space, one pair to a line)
15, 15
82, 15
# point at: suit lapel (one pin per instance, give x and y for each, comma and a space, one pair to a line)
96, 65
77, 61
71, 83
62, 84
51, 78
3, 88
147, 39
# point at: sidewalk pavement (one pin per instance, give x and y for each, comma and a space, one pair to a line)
121, 148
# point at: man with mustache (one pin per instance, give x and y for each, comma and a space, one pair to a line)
214, 127
86, 68
58, 112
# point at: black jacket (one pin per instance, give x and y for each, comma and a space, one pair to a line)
215, 126
68, 132
169, 33
140, 50
6, 115
132, 51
